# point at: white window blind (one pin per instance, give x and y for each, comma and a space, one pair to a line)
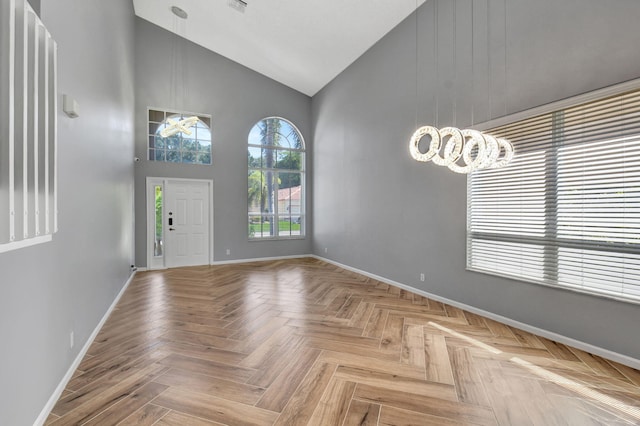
566, 211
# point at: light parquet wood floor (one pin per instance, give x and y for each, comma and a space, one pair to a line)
302, 342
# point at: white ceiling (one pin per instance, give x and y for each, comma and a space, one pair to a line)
303, 44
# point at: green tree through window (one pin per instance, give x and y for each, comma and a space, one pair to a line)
191, 147
275, 180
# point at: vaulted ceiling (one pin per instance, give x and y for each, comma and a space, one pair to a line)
303, 44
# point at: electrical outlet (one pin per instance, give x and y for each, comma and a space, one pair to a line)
228, 252
325, 249
421, 277
71, 340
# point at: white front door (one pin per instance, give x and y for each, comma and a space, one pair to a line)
179, 223
186, 223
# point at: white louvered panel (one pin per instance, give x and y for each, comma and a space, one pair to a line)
21, 103
7, 124
28, 126
51, 208
41, 140
32, 126
46, 136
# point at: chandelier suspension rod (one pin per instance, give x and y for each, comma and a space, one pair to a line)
460, 144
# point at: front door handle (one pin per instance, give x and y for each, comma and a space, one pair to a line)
171, 229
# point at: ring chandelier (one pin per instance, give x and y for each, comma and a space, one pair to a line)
476, 150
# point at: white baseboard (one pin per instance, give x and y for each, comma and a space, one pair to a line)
260, 259
596, 350
235, 261
76, 362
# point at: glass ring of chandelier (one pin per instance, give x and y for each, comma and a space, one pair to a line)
475, 150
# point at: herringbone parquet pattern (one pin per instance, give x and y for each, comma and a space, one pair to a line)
302, 342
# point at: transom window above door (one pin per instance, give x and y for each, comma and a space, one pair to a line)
179, 137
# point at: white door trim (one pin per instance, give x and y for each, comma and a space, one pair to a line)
160, 263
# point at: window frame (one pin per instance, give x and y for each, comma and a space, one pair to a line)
167, 113
555, 109
276, 171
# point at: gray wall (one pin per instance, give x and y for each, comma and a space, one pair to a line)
237, 98
378, 210
49, 290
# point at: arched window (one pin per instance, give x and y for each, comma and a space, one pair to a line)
177, 137
276, 188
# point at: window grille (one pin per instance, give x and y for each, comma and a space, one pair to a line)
276, 180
